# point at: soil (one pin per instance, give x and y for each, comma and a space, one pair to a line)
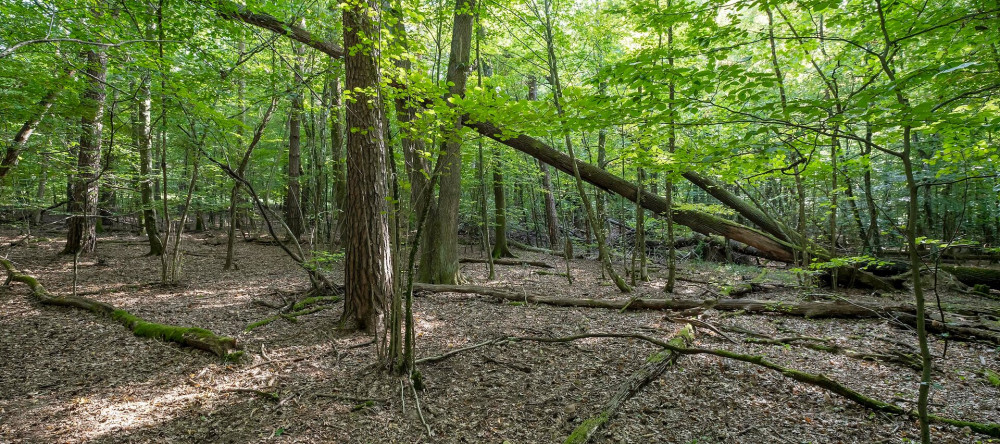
69, 376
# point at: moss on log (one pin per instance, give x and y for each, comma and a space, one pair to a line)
975, 276
193, 337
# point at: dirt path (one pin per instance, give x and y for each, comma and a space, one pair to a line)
66, 376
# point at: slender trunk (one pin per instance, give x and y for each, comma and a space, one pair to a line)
556, 98
874, 237
144, 139
10, 157
293, 199
500, 248
668, 186
337, 153
82, 235
551, 219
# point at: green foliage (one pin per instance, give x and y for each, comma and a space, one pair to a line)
323, 260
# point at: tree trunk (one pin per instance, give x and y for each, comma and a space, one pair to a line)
82, 235
293, 199
10, 157
368, 275
769, 246
439, 258
500, 248
551, 219
144, 139
337, 152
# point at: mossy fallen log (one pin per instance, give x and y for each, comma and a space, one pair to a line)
655, 365
193, 337
972, 276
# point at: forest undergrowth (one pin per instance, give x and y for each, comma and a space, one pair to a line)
68, 376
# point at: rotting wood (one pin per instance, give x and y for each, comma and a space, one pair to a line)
974, 276
193, 337
506, 261
808, 309
655, 365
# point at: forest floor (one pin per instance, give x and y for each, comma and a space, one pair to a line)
69, 376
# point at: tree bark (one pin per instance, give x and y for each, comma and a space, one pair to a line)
439, 257
293, 198
82, 235
368, 272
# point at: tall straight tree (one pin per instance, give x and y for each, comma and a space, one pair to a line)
439, 253
293, 199
144, 140
368, 271
82, 234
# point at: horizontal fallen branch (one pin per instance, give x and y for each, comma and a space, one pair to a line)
818, 380
301, 308
506, 261
808, 309
194, 337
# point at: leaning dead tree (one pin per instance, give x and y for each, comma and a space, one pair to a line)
193, 337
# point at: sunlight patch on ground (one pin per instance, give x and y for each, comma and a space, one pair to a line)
89, 417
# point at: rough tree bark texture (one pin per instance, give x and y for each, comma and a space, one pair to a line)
439, 257
82, 234
368, 270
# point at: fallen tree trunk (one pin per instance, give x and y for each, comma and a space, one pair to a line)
704, 223
194, 337
768, 245
655, 365
806, 309
902, 313
973, 276
506, 261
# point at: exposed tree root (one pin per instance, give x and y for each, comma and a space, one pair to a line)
507, 261
655, 365
194, 337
